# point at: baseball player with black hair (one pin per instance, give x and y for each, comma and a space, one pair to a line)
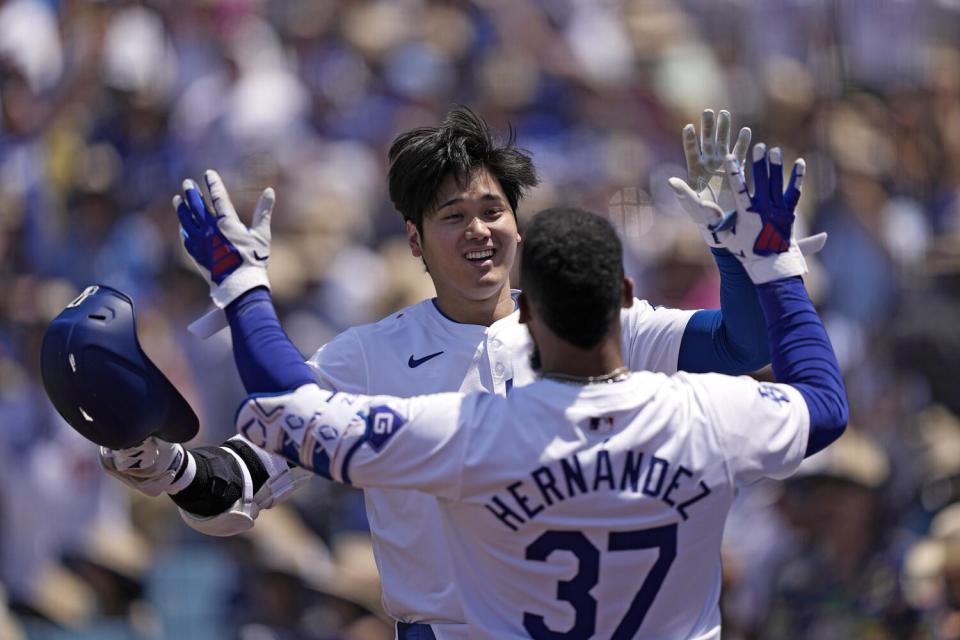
458, 190
590, 503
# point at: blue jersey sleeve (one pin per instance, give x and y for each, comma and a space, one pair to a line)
803, 358
730, 340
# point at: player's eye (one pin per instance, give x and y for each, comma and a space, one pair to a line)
453, 217
495, 212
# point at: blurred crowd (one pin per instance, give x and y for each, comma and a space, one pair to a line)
105, 107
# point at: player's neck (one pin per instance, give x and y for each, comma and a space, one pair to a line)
567, 361
483, 312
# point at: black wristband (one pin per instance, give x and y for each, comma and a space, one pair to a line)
217, 484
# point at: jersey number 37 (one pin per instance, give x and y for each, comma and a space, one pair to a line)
576, 591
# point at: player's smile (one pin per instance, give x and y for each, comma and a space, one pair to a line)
480, 255
481, 258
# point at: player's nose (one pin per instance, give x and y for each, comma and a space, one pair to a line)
477, 229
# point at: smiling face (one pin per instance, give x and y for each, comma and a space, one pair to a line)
469, 243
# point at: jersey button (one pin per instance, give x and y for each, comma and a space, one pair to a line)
495, 344
499, 369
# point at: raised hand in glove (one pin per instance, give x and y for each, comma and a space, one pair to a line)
231, 256
759, 232
705, 156
706, 182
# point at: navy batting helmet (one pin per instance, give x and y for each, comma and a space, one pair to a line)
101, 381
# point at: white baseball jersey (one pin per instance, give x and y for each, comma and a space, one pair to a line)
419, 351
589, 511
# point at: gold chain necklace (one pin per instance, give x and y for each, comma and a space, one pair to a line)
618, 374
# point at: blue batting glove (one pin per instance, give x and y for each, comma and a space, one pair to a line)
231, 256
774, 206
202, 238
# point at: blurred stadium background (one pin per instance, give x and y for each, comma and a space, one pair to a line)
106, 106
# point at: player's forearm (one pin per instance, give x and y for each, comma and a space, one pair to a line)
803, 357
266, 359
733, 339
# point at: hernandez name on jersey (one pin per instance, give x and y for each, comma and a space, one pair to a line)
417, 351
592, 511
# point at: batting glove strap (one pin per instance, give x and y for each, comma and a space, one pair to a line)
239, 282
777, 266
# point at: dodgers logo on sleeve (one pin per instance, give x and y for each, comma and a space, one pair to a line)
770, 392
382, 423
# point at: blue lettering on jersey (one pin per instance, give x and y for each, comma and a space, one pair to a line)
633, 472
382, 423
770, 392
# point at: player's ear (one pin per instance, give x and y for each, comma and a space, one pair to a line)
524, 309
627, 300
413, 238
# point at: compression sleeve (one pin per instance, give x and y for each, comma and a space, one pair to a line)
266, 359
803, 357
732, 339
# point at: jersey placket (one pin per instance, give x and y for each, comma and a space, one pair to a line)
500, 363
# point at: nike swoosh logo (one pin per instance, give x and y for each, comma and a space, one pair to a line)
413, 363
257, 256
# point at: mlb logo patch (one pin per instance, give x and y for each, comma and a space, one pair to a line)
602, 424
382, 423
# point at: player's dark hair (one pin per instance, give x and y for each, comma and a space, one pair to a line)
420, 159
571, 270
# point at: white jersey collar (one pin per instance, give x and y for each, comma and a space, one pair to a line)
466, 329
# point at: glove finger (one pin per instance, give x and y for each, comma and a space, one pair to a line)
218, 193
761, 173
193, 248
262, 213
691, 151
743, 143
792, 195
188, 225
699, 211
723, 134
198, 207
776, 177
708, 134
812, 244
737, 182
